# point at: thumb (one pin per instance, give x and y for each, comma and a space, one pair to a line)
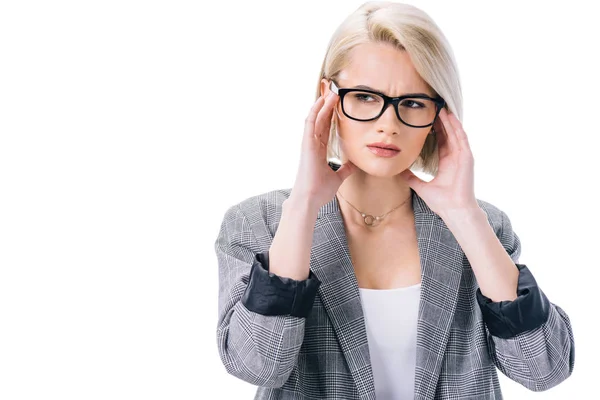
412, 180
346, 170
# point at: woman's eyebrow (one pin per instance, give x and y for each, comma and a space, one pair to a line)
379, 91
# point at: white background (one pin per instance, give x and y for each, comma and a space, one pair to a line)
124, 138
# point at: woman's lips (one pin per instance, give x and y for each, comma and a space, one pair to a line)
383, 152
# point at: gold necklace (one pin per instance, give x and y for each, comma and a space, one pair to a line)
370, 219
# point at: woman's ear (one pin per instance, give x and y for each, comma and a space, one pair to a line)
324, 86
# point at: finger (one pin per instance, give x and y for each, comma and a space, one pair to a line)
442, 139
412, 180
309, 122
449, 133
346, 170
323, 122
461, 135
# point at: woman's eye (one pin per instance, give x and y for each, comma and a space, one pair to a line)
364, 97
412, 104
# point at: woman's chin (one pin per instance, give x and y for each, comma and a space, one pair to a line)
381, 169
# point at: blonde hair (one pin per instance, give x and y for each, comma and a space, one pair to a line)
412, 30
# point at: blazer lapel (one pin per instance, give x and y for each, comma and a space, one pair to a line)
441, 272
441, 268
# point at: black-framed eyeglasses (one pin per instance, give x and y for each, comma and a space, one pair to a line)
417, 111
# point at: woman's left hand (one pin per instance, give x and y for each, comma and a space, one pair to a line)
452, 189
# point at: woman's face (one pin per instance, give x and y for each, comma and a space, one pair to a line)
390, 71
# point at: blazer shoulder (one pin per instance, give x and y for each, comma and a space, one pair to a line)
496, 216
262, 211
264, 203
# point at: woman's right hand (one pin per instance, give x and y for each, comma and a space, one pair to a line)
316, 182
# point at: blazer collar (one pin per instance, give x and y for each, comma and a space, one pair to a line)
441, 268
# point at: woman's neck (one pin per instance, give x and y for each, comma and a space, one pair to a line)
375, 196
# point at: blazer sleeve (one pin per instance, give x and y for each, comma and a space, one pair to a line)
261, 317
531, 339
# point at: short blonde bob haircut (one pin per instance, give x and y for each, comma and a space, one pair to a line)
407, 28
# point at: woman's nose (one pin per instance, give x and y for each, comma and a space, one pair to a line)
389, 121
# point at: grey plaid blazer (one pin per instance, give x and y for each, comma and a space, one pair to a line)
325, 355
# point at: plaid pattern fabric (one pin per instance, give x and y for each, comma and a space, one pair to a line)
326, 355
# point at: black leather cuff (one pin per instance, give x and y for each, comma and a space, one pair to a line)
334, 166
270, 294
506, 319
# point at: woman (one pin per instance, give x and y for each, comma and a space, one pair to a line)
363, 281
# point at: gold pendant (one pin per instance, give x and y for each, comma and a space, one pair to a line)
369, 219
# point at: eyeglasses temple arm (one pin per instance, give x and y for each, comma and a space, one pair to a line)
333, 87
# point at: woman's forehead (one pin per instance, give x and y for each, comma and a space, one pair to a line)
390, 86
383, 68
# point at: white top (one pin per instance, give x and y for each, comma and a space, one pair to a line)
391, 323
